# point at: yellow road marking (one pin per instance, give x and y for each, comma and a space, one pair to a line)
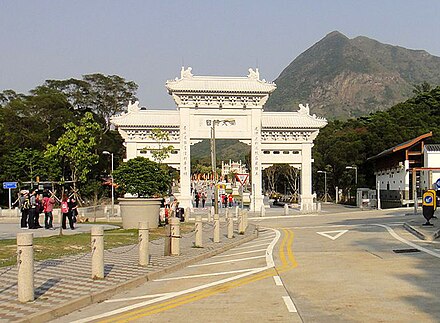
285, 247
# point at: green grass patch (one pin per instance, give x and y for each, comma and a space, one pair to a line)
55, 247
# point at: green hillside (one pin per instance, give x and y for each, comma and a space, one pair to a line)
342, 78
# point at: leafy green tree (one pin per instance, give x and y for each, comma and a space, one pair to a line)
162, 152
142, 177
75, 148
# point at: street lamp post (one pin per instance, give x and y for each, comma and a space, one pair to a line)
113, 186
355, 172
213, 123
325, 183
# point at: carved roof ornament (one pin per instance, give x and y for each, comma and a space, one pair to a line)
186, 73
133, 107
304, 109
255, 75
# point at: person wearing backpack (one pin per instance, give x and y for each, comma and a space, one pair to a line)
24, 208
66, 213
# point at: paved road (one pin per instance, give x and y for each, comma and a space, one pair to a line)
331, 267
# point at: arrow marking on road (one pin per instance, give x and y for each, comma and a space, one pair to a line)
332, 236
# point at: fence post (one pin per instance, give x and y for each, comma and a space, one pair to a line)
97, 236
245, 221
286, 209
199, 232
144, 254
211, 214
237, 208
230, 226
216, 228
175, 235
25, 263
241, 223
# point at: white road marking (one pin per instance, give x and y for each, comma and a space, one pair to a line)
190, 290
257, 245
289, 303
225, 261
333, 237
206, 275
277, 280
136, 297
257, 240
239, 253
409, 243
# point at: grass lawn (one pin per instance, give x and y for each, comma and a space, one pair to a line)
58, 246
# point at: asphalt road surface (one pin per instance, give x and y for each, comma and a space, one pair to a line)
347, 267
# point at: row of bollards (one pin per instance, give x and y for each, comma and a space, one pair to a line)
25, 250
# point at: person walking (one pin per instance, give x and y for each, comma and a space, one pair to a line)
48, 204
33, 211
66, 213
24, 205
203, 199
197, 198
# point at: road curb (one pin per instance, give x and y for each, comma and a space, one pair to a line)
104, 294
414, 231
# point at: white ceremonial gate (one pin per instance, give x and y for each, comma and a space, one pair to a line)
235, 106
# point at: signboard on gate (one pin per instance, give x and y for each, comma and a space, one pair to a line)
242, 178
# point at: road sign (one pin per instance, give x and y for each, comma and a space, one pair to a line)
437, 183
242, 178
10, 185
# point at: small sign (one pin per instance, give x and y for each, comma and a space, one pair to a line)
429, 198
242, 178
10, 185
437, 183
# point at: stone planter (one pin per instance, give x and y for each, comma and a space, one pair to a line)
135, 210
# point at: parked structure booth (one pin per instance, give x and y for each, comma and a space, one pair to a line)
235, 106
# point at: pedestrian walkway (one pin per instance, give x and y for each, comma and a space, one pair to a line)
64, 285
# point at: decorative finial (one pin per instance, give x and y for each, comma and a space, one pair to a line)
186, 73
133, 107
255, 75
304, 109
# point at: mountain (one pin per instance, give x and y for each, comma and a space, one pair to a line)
342, 78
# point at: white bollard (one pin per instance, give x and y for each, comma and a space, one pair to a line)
318, 207
230, 226
211, 214
97, 236
25, 265
286, 209
187, 214
216, 228
263, 211
245, 221
241, 224
175, 235
236, 211
144, 253
199, 232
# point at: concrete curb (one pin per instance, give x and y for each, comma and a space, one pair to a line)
419, 234
102, 295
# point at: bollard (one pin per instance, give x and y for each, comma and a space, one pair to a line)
144, 253
216, 228
286, 209
186, 214
97, 236
199, 232
263, 210
167, 240
241, 224
25, 265
236, 211
175, 236
318, 207
230, 226
245, 221
211, 214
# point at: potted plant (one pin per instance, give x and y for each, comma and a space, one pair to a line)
146, 181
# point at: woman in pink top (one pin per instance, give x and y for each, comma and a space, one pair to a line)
48, 203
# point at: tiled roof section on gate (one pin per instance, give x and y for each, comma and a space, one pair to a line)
291, 120
148, 118
219, 84
432, 147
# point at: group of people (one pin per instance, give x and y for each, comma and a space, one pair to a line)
33, 203
170, 208
200, 196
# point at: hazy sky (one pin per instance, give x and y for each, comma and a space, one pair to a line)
149, 41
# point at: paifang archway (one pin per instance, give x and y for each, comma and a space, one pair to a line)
274, 137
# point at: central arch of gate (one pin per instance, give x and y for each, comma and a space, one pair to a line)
234, 107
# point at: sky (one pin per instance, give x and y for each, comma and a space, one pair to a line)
149, 41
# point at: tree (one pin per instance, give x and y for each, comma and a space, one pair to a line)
76, 148
104, 95
162, 152
142, 177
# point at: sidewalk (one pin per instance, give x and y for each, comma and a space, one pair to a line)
65, 285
